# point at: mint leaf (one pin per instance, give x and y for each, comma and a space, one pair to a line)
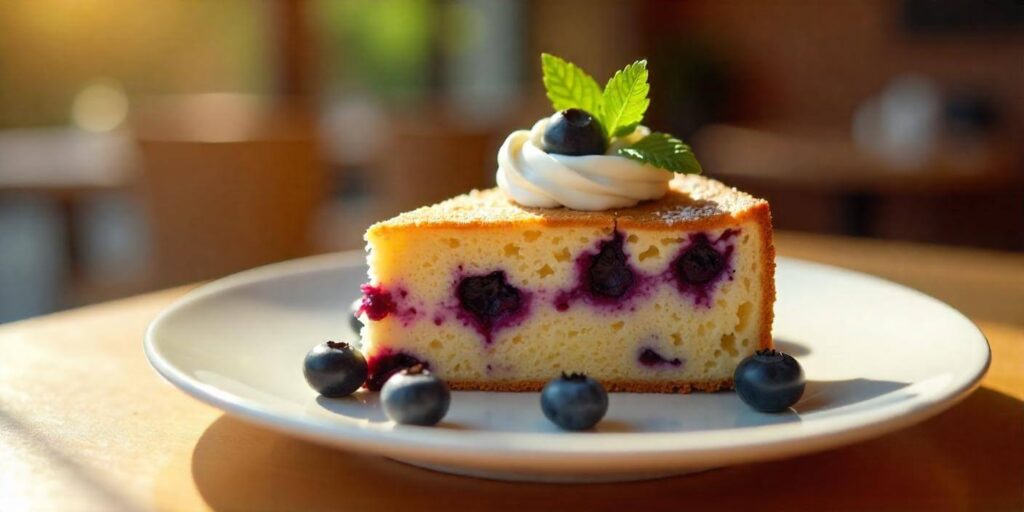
664, 151
625, 99
626, 130
568, 86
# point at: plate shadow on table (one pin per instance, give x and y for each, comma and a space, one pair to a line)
937, 465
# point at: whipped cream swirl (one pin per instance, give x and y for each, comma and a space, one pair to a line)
532, 177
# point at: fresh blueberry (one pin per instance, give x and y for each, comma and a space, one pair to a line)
609, 274
574, 402
353, 315
769, 381
334, 369
414, 396
700, 263
574, 132
488, 297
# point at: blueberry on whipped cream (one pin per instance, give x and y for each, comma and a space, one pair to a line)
574, 132
593, 154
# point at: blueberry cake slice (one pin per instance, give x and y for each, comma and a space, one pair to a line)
668, 295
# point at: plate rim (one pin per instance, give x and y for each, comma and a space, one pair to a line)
561, 449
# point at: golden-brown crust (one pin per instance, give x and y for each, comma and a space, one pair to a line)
764, 216
619, 386
693, 202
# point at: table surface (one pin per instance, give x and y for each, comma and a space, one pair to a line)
85, 424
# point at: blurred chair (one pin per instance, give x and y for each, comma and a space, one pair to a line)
430, 157
64, 165
966, 192
229, 181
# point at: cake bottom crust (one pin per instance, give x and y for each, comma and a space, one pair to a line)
621, 386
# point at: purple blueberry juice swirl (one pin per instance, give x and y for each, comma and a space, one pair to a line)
699, 264
702, 264
604, 277
650, 358
382, 365
377, 302
488, 303
608, 273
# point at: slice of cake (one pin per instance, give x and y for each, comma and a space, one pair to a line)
588, 258
665, 296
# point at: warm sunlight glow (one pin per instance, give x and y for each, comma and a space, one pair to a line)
100, 106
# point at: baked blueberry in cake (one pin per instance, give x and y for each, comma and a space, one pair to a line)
601, 251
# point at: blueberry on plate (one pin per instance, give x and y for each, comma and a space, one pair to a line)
574, 402
334, 369
353, 315
414, 396
769, 381
574, 132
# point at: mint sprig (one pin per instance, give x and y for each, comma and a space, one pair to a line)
568, 86
625, 99
620, 107
664, 151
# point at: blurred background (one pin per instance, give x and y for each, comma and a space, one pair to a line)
145, 144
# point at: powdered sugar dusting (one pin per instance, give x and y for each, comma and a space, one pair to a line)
690, 213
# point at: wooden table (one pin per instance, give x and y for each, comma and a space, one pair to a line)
85, 424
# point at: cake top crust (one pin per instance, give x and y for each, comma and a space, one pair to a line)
691, 199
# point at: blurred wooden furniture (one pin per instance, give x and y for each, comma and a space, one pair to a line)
63, 162
119, 438
968, 193
820, 160
432, 155
229, 181
64, 166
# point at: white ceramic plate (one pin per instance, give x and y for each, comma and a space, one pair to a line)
877, 356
